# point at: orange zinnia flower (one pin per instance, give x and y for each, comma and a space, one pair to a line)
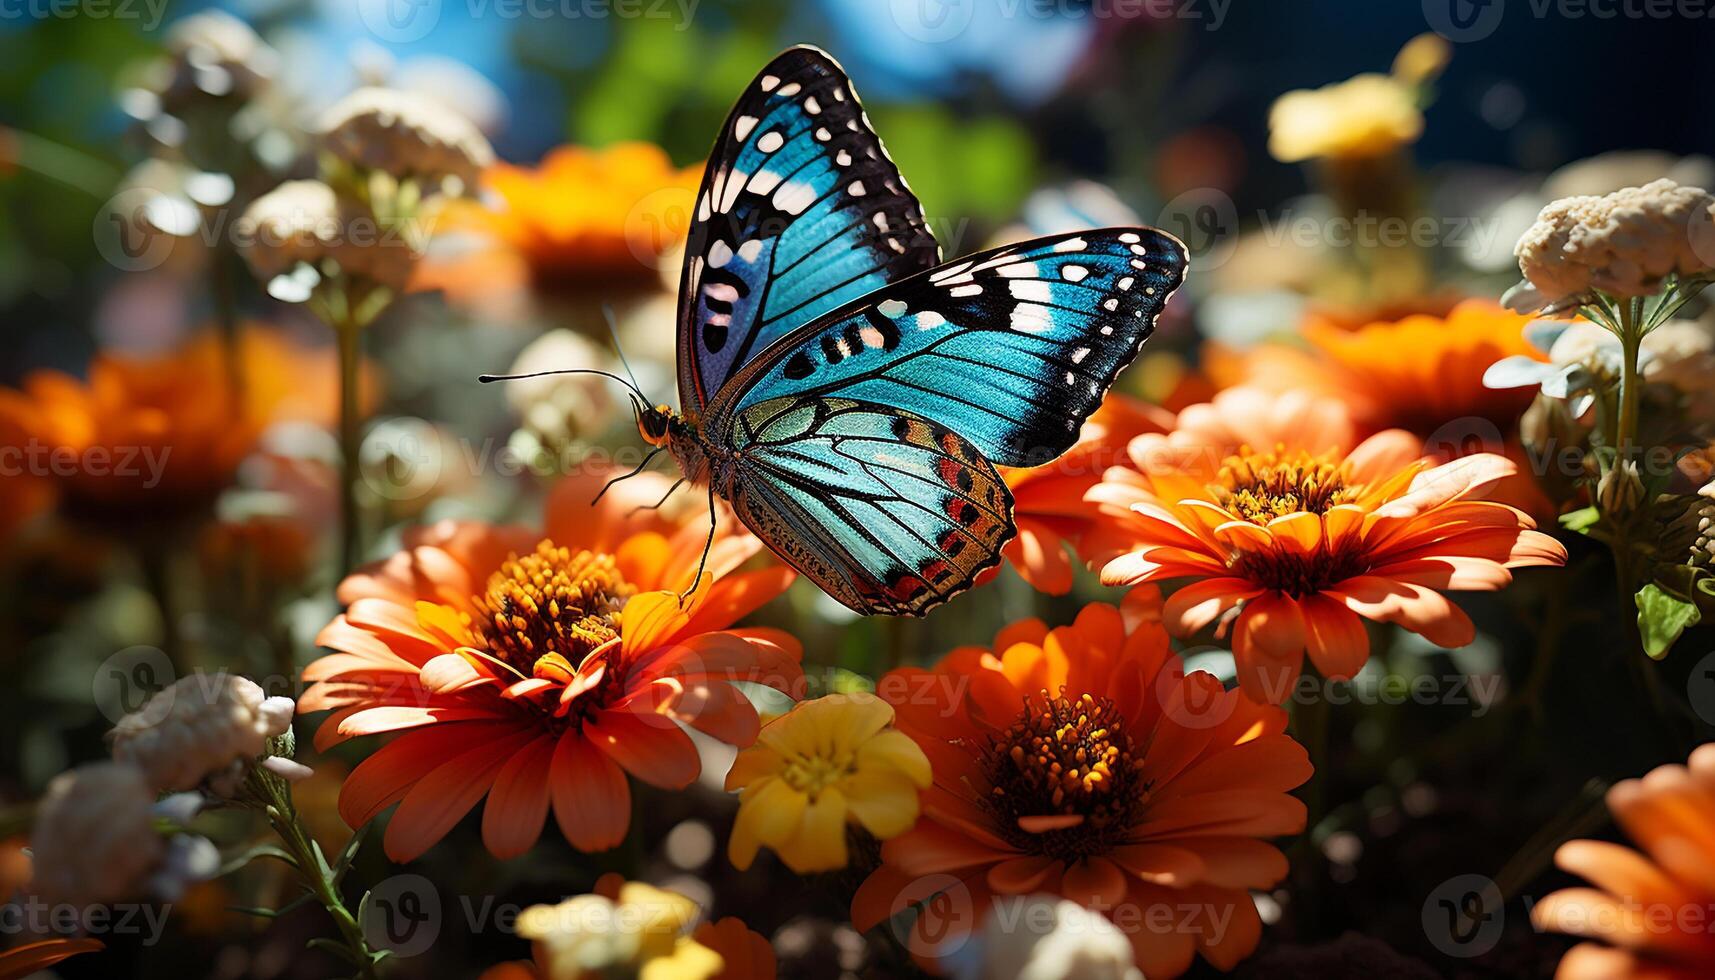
1652, 908
541, 670
590, 216
1294, 544
1083, 762
1048, 500
164, 433
1434, 389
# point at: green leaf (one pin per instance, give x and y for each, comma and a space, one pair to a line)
259, 851
1662, 616
332, 948
348, 853
1581, 520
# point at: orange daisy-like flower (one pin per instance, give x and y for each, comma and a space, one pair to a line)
31, 958
1294, 544
162, 433
1652, 910
1048, 500
1083, 762
591, 216
1438, 384
541, 670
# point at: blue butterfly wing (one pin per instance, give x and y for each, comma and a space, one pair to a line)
1012, 348
801, 211
885, 510
864, 443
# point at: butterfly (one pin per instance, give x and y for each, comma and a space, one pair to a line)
847, 393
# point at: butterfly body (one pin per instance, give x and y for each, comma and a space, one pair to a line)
847, 393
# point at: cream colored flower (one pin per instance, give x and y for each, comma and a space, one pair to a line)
1623, 244
558, 408
198, 729
1045, 937
406, 135
94, 839
636, 930
1365, 116
305, 221
214, 54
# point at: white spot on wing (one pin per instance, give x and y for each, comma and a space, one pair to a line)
750, 250
891, 307
1018, 270
971, 289
769, 81
741, 129
1130, 238
764, 182
1073, 273
812, 106
1127, 282
771, 141
1071, 245
790, 88
929, 320
720, 253
1031, 318
1031, 289
794, 196
856, 189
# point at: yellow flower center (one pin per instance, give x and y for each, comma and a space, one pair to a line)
1071, 761
810, 774
544, 612
1259, 487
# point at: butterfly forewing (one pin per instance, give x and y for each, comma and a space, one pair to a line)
1012, 349
801, 211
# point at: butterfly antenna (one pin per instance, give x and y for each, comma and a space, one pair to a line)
632, 385
613, 330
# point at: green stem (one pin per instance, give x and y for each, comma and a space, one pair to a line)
283, 817
350, 443
1631, 341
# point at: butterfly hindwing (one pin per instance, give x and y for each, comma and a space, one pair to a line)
885, 510
1011, 349
801, 211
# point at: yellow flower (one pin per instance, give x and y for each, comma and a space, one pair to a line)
1368, 115
824, 763
625, 928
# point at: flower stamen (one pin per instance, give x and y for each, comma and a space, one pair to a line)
543, 613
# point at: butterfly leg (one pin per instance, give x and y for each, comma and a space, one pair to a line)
703, 562
657, 504
609, 484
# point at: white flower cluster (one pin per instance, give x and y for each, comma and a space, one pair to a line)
1623, 244
203, 729
405, 134
306, 221
95, 839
